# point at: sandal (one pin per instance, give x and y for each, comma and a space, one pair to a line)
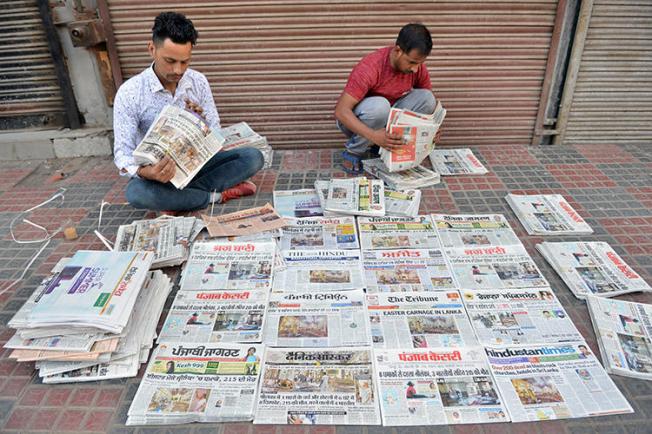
352, 164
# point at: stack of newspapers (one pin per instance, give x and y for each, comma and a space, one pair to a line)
402, 203
94, 318
456, 162
416, 177
241, 135
547, 214
355, 196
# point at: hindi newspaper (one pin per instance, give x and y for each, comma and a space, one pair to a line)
297, 203
245, 222
240, 135
519, 317
317, 319
402, 203
470, 230
406, 270
333, 386
438, 386
592, 268
416, 177
417, 320
397, 233
556, 381
456, 162
356, 196
624, 332
239, 266
319, 270
187, 383
183, 136
547, 214
215, 316
320, 233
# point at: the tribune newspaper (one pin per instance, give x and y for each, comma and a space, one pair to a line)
333, 386
320, 233
402, 203
471, 230
397, 233
406, 270
437, 386
187, 383
519, 317
592, 268
417, 320
547, 214
356, 196
297, 203
456, 162
317, 319
624, 330
559, 381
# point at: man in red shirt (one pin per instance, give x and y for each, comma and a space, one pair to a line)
392, 76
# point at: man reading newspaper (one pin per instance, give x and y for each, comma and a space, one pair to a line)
169, 81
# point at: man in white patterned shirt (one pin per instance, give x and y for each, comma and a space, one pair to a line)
141, 98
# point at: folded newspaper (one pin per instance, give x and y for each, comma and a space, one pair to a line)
320, 233
416, 177
456, 162
356, 196
397, 233
297, 203
547, 214
402, 203
470, 230
241, 135
321, 188
245, 222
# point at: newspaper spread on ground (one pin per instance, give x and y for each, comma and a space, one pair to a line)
402, 203
624, 332
317, 319
321, 188
456, 162
241, 135
406, 270
319, 270
592, 268
297, 203
183, 136
416, 177
494, 267
245, 222
438, 386
557, 381
547, 214
356, 196
333, 386
320, 233
397, 233
215, 316
417, 320
519, 317
217, 265
187, 383
469, 230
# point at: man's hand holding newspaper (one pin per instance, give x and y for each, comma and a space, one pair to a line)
163, 171
387, 140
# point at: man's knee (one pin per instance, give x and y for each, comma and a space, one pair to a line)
254, 158
373, 111
425, 101
137, 195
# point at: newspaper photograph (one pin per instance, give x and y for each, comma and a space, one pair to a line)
558, 381
438, 386
519, 317
320, 233
245, 222
187, 383
448, 162
547, 214
356, 196
406, 270
417, 320
416, 177
469, 230
333, 386
397, 233
297, 203
317, 319
402, 203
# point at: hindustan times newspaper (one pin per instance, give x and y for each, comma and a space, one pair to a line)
470, 230
320, 233
547, 214
397, 233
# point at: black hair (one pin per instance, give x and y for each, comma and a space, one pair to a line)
414, 37
175, 26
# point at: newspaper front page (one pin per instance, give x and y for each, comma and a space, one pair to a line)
417, 320
333, 386
456, 162
547, 214
547, 382
317, 319
320, 233
321, 188
297, 203
416, 177
402, 203
470, 230
244, 223
397, 233
438, 386
356, 196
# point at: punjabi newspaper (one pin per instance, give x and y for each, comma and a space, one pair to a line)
397, 233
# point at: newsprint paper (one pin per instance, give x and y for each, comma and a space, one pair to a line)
320, 233
439, 386
397, 233
197, 383
519, 317
356, 196
297, 203
547, 214
317, 319
414, 320
402, 203
456, 162
469, 230
332, 386
559, 381
244, 223
624, 330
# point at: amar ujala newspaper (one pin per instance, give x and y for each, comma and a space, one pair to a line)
397, 233
297, 203
471, 230
356, 196
456, 162
414, 178
245, 222
320, 233
402, 203
241, 135
547, 214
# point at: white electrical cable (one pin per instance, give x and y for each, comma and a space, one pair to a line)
97, 232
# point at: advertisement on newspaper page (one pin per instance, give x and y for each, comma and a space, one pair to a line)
466, 230
320, 233
297, 203
397, 233
319, 270
456, 162
356, 196
547, 214
245, 222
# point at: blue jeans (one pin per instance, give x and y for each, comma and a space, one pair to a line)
224, 170
373, 112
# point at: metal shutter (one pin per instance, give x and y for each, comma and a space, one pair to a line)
281, 65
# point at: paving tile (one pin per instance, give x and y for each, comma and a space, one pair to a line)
71, 420
19, 419
44, 419
608, 202
108, 398
526, 177
628, 174
477, 182
97, 421
605, 153
557, 155
83, 397
504, 155
580, 176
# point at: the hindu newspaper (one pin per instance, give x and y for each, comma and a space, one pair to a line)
418, 320
402, 203
471, 230
245, 222
624, 332
494, 267
437, 386
319, 270
241, 135
320, 233
183, 136
317, 319
356, 196
592, 268
519, 317
406, 270
321, 188
297, 203
187, 383
456, 162
556, 381
416, 177
333, 386
215, 316
240, 266
547, 214
397, 233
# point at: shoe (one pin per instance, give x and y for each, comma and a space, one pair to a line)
170, 213
351, 163
246, 188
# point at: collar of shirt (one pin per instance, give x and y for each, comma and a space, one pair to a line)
155, 84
